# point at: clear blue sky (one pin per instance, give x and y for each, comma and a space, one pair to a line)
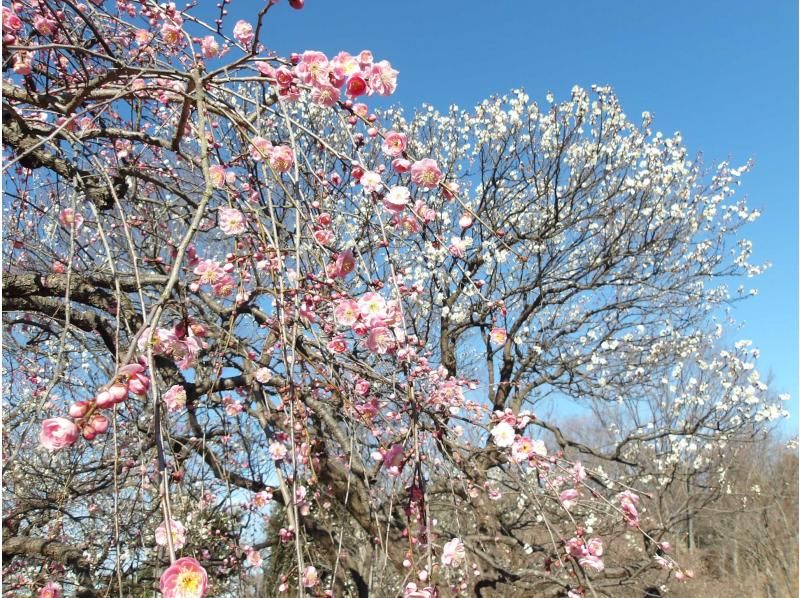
724, 73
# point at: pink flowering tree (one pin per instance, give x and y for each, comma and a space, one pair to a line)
261, 336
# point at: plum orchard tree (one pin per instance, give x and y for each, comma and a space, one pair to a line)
261, 337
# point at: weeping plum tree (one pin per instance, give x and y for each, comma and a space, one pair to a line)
262, 337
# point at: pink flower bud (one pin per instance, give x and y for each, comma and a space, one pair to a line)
79, 409
138, 386
118, 392
401, 165
356, 86
104, 400
100, 423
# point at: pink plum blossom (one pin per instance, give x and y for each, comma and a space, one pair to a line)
223, 287
23, 63
136, 380
310, 577
67, 217
593, 562
346, 312
281, 158
103, 400
425, 173
232, 221
393, 460
343, 65
382, 78
175, 398
44, 25
568, 498
396, 199
450, 190
209, 271
11, 22
458, 247
453, 553
185, 578
498, 336
79, 409
218, 178
51, 589
116, 393
254, 558
325, 95
394, 144
344, 264
628, 501
209, 47
365, 58
371, 181
324, 237
232, 408
261, 499
313, 68
662, 562
337, 344
171, 34
379, 340
260, 148
406, 224
372, 304
588, 553
263, 375
521, 449
58, 433
424, 212
362, 387
595, 546
277, 451
243, 32
178, 534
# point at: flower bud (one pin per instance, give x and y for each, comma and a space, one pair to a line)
118, 392
79, 409
99, 423
104, 399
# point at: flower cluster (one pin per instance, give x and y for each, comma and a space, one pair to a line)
59, 432
587, 552
359, 75
181, 343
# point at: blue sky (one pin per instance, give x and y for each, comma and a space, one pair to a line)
722, 73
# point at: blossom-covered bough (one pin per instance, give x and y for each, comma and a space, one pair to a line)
261, 336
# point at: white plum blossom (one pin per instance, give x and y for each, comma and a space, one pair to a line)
503, 434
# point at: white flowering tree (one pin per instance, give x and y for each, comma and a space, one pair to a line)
263, 337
